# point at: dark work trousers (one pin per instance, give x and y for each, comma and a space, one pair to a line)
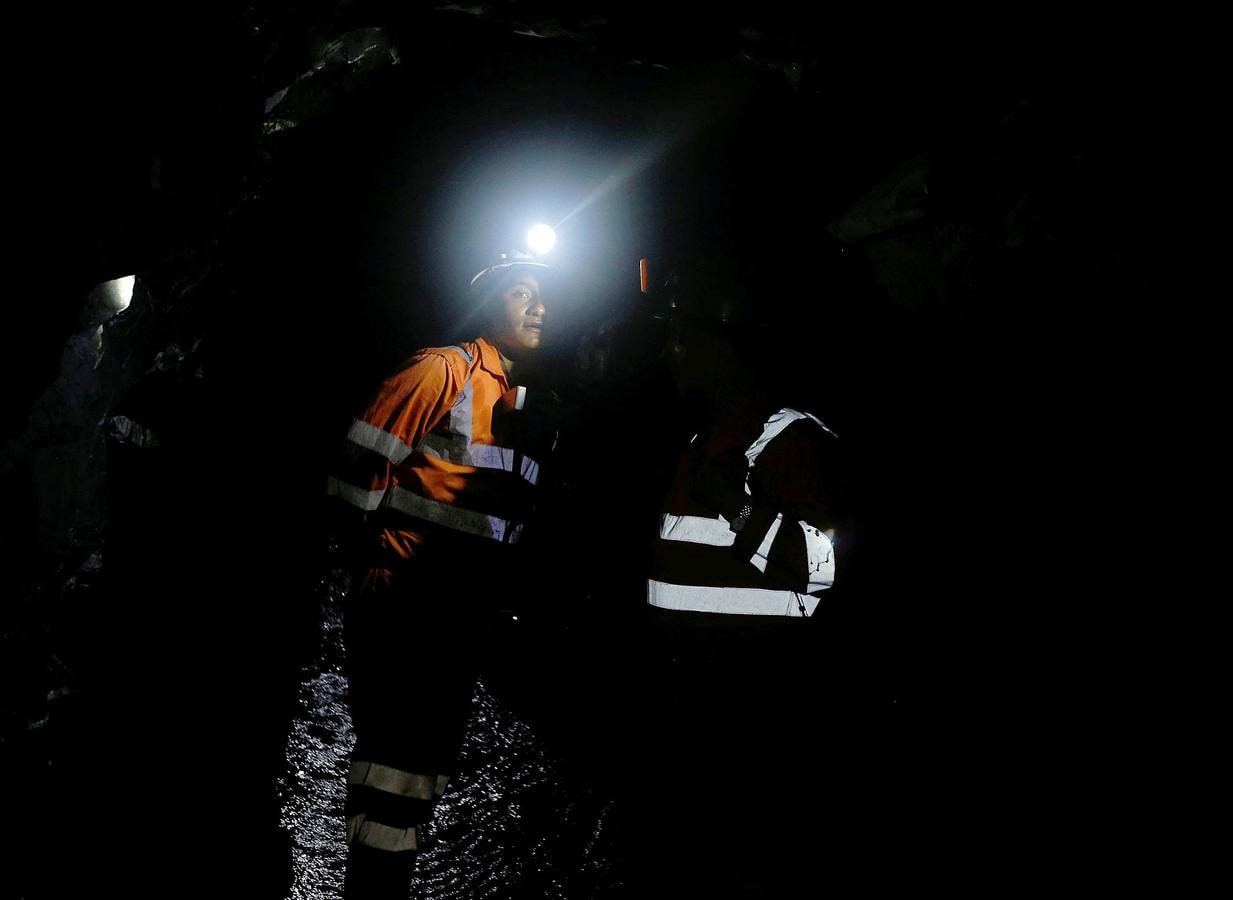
413, 648
739, 771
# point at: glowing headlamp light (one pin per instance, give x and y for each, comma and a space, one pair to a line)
541, 238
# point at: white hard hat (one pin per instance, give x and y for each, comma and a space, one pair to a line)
507, 261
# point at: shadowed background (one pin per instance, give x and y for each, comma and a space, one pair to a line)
936, 214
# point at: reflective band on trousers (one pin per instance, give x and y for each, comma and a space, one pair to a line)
734, 601
382, 837
464, 520
696, 530
455, 449
370, 437
391, 780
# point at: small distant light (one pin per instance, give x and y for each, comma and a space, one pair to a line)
515, 618
541, 239
118, 293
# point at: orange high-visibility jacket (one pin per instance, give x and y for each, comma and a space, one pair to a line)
424, 460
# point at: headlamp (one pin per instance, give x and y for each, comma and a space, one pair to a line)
541, 238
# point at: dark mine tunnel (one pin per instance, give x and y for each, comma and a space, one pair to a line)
236, 219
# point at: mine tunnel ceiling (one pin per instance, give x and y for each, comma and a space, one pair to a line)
155, 124
162, 110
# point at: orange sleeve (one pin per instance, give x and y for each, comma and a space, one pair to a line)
411, 402
406, 406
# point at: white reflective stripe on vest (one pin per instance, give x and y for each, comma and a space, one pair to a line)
821, 555
733, 601
462, 412
391, 780
762, 554
356, 496
453, 449
370, 437
774, 427
696, 530
464, 520
382, 837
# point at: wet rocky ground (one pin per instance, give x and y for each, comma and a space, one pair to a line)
512, 822
200, 748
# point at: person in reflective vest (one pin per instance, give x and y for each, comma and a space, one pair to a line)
436, 484
746, 549
749, 527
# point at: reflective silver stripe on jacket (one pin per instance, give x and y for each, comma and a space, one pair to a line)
444, 514
762, 554
391, 780
457, 447
774, 427
820, 553
733, 601
461, 413
716, 532
696, 530
370, 437
452, 448
356, 496
383, 837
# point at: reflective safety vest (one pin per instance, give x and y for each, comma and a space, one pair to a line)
425, 460
697, 566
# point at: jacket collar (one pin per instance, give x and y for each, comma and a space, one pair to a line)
490, 359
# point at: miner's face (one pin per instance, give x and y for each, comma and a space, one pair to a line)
520, 329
